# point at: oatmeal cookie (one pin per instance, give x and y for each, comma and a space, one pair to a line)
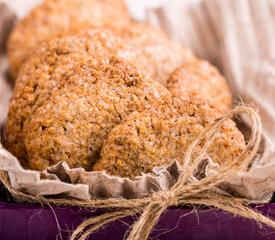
55, 16
162, 134
155, 50
43, 71
46, 67
94, 96
202, 78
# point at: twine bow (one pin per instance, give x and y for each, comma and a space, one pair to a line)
187, 190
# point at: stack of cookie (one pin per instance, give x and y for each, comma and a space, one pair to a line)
100, 91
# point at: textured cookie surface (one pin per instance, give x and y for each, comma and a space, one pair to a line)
72, 125
47, 66
202, 78
156, 51
44, 70
158, 136
56, 16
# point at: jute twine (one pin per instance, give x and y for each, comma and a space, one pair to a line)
184, 191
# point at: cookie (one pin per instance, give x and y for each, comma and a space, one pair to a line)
55, 16
43, 71
162, 134
156, 51
200, 77
48, 63
94, 96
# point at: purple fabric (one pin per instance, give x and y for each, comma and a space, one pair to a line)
33, 221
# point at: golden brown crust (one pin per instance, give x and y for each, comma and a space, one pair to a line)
47, 65
95, 96
55, 16
45, 69
159, 135
200, 77
156, 51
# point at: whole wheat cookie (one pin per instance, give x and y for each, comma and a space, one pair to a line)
47, 66
162, 134
156, 52
94, 96
55, 16
200, 77
43, 71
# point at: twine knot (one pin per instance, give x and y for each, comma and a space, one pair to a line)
167, 197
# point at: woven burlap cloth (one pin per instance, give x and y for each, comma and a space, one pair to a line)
236, 36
